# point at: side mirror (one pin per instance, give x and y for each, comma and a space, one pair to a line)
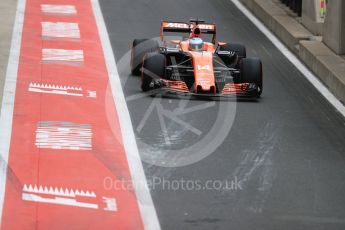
222, 44
175, 42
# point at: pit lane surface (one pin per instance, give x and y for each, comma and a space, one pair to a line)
287, 149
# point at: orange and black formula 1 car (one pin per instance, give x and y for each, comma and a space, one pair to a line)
192, 66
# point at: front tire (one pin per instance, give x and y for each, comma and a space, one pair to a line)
251, 72
153, 69
139, 48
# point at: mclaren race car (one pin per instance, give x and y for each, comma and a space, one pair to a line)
193, 66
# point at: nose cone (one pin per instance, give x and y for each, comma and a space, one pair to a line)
206, 89
203, 72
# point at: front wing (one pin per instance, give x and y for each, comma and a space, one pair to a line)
168, 87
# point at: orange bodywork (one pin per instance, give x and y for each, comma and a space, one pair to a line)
203, 67
204, 77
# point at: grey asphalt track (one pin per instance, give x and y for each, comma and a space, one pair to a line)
287, 149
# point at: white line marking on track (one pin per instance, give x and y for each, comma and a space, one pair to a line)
61, 56
57, 200
63, 135
147, 209
51, 30
58, 9
91, 94
7, 106
110, 204
292, 58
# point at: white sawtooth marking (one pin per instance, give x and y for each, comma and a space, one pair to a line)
57, 191
55, 89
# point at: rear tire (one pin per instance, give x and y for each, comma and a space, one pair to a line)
153, 68
251, 72
139, 48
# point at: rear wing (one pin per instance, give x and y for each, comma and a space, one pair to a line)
179, 27
206, 28
182, 27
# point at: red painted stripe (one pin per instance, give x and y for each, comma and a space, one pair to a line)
64, 168
322, 4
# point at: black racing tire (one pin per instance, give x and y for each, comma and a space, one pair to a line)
153, 68
240, 51
139, 48
251, 72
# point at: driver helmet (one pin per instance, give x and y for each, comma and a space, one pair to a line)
196, 44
